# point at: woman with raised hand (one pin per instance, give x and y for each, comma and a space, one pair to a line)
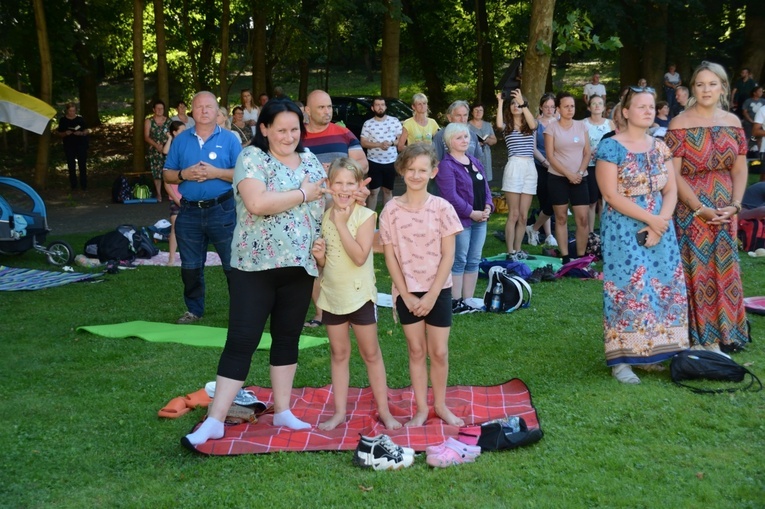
645, 315
709, 149
519, 181
568, 151
279, 192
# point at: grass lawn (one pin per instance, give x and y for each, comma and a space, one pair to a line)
79, 425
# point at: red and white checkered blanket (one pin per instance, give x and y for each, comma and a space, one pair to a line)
475, 405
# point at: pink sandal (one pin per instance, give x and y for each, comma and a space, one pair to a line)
451, 452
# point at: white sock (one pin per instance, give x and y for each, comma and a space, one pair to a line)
286, 418
210, 428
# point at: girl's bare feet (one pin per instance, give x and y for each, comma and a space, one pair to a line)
333, 422
448, 417
419, 418
389, 422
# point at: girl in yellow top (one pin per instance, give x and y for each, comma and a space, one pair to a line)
348, 292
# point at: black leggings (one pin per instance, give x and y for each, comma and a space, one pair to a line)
284, 294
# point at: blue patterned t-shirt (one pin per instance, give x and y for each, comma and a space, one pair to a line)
279, 240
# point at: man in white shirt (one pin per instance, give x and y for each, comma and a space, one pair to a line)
380, 136
594, 88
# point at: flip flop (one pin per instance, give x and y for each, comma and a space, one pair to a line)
313, 323
198, 399
175, 408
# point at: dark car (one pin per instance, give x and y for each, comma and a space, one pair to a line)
353, 111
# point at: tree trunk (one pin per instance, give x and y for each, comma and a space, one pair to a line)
539, 51
163, 80
485, 82
303, 87
389, 76
190, 50
655, 46
753, 52
629, 63
225, 23
46, 93
259, 49
88, 79
427, 55
139, 95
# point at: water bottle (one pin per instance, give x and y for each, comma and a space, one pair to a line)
496, 298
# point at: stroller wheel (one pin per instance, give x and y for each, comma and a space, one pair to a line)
60, 253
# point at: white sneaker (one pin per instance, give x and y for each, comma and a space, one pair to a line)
550, 241
533, 235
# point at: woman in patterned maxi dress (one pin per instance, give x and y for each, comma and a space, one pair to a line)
155, 132
644, 297
709, 149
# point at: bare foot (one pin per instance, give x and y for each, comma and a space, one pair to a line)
419, 419
389, 422
333, 422
448, 417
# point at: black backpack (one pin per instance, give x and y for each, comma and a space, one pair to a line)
497, 436
115, 246
705, 365
141, 242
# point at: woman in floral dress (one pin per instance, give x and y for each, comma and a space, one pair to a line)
645, 304
155, 133
709, 149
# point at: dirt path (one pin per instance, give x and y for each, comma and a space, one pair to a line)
94, 212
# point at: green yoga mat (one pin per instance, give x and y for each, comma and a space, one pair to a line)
194, 335
535, 261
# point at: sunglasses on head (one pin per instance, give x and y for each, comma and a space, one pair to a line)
650, 90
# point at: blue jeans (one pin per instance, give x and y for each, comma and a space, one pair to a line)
467, 253
195, 229
669, 93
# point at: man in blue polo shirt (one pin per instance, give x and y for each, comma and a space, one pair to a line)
201, 160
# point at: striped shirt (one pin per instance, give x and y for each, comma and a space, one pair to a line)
519, 145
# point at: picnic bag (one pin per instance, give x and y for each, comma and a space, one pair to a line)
751, 233
513, 291
141, 192
705, 365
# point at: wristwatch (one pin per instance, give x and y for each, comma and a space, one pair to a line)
180, 176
